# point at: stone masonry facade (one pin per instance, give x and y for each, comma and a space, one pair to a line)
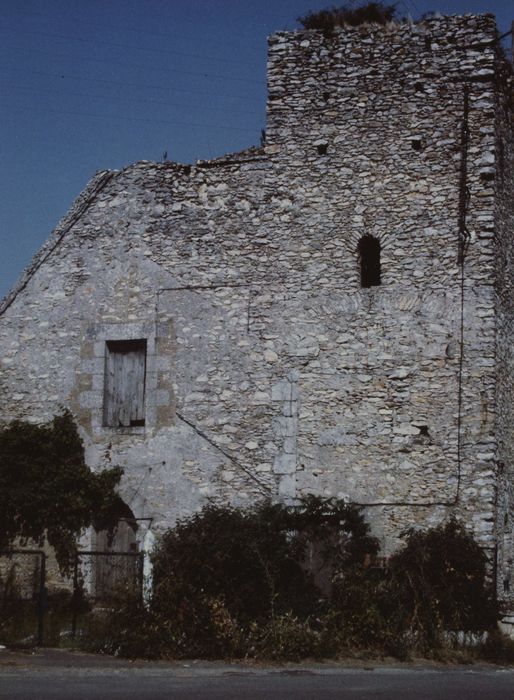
270, 370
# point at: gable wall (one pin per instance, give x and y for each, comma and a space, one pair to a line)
270, 371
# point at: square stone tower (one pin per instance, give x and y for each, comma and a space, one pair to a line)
395, 146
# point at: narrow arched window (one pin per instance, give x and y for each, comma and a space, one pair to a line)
369, 259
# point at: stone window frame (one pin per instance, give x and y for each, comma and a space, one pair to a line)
125, 374
98, 336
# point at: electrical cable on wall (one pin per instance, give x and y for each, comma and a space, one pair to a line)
463, 244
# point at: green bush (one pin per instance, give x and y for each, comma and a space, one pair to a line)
242, 559
327, 20
48, 491
257, 559
243, 583
223, 571
437, 583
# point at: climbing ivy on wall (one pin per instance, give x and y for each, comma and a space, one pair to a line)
47, 489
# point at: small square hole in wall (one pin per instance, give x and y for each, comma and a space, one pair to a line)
487, 175
322, 149
124, 383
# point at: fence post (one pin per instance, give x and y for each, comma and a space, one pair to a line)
141, 557
42, 602
75, 596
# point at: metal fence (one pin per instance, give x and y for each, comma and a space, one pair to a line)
106, 578
100, 579
22, 585
103, 577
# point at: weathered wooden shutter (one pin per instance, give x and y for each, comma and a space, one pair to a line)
114, 575
125, 369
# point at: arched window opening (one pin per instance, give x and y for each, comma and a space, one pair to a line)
369, 258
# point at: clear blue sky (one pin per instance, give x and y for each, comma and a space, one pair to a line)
89, 85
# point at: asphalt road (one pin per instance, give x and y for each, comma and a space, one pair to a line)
80, 677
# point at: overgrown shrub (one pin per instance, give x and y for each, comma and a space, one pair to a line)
327, 20
498, 648
437, 582
257, 559
287, 637
242, 559
242, 583
224, 570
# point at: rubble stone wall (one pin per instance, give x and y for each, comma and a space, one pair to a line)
504, 256
270, 370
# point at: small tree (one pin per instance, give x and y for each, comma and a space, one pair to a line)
47, 489
347, 15
438, 583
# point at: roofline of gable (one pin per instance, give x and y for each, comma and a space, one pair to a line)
78, 209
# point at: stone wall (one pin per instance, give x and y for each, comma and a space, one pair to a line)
504, 255
388, 106
270, 370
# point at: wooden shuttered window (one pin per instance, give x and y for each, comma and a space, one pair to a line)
124, 389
